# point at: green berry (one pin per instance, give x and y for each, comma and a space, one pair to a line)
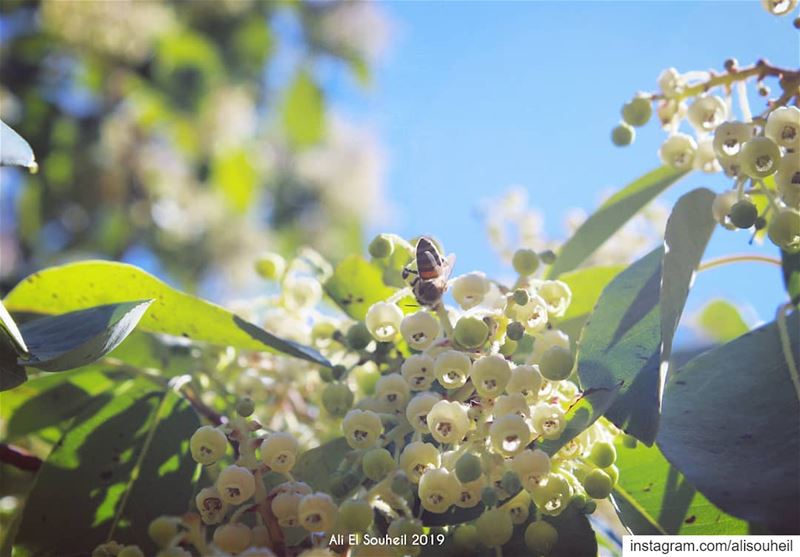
743, 214
629, 441
525, 262
761, 223
355, 516
489, 496
508, 348
471, 332
637, 111
521, 296
381, 246
556, 363
540, 537
377, 463
466, 537
337, 399
515, 330
494, 527
326, 374
130, 551
597, 484
603, 454
358, 336
590, 507
784, 230
613, 473
468, 468
510, 482
245, 407
338, 371
622, 135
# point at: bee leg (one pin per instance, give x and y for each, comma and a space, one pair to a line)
407, 271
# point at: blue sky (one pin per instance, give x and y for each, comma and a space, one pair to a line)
474, 97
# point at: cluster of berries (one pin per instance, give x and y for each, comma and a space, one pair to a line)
447, 410
760, 153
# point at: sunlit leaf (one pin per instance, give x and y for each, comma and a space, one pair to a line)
611, 216
586, 286
355, 285
15, 151
330, 468
85, 284
721, 321
304, 111
729, 423
112, 473
77, 338
653, 497
234, 174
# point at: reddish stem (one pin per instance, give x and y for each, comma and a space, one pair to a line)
19, 458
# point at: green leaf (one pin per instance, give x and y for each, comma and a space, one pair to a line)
689, 230
586, 286
124, 464
653, 497
328, 465
74, 339
84, 284
48, 401
722, 321
12, 331
355, 285
620, 348
15, 151
791, 275
728, 408
304, 111
234, 174
631, 331
611, 216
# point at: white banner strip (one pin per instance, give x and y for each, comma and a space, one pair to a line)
710, 546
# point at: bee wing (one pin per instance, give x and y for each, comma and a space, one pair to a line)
449, 263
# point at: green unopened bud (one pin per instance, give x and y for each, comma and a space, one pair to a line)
509, 347
637, 112
510, 482
400, 484
471, 332
525, 262
270, 266
381, 246
338, 371
245, 407
743, 214
556, 363
377, 464
629, 441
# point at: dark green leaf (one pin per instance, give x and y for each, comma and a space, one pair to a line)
791, 275
11, 373
653, 497
611, 216
586, 286
48, 401
85, 284
355, 285
14, 151
620, 347
689, 229
304, 111
74, 339
124, 464
729, 423
721, 321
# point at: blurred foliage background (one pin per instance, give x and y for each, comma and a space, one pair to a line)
185, 136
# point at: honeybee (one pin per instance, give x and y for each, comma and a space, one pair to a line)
432, 272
